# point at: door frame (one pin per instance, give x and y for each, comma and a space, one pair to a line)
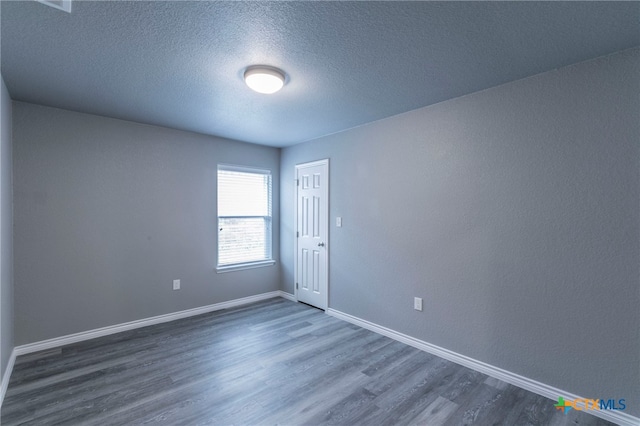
324, 161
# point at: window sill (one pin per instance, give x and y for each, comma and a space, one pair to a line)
241, 266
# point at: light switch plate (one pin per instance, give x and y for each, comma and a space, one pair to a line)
417, 303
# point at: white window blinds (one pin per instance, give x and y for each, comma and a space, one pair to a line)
244, 216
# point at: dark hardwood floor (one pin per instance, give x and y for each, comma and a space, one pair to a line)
272, 362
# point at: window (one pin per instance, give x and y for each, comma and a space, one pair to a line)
244, 218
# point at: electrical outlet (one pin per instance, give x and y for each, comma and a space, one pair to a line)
417, 303
176, 284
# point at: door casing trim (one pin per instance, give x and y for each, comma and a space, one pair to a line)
324, 161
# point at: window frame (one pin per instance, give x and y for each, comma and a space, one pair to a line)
250, 264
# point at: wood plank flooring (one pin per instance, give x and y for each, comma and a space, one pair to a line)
272, 362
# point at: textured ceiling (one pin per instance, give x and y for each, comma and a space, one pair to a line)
179, 64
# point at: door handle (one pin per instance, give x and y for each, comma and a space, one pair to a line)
320, 244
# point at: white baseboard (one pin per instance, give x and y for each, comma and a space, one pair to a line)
7, 375
105, 331
288, 296
551, 392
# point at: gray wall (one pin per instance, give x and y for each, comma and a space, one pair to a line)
6, 232
514, 213
109, 212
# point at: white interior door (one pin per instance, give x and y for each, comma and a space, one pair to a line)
312, 223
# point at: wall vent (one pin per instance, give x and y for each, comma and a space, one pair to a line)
58, 4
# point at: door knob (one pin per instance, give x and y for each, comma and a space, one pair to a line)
320, 244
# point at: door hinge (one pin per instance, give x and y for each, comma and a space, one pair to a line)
297, 234
297, 182
296, 286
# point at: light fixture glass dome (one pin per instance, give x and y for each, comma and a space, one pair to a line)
264, 79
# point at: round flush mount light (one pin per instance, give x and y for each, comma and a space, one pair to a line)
264, 79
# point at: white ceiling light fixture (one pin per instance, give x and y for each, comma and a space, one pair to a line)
264, 79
